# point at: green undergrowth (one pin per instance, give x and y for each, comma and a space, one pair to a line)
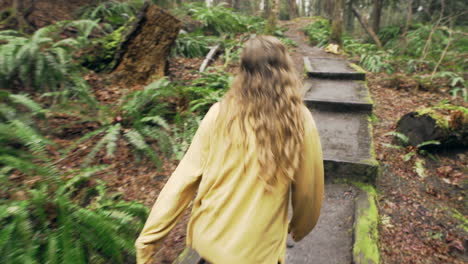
100, 57
421, 54
464, 221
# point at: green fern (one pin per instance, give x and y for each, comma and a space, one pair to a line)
113, 13
66, 231
219, 19
21, 145
318, 32
109, 140
42, 61
192, 45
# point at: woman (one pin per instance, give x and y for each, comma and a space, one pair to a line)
250, 150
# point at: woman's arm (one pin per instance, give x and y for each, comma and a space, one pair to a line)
177, 193
308, 186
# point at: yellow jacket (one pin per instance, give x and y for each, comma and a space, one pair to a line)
234, 220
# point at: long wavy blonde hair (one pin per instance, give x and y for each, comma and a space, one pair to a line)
266, 95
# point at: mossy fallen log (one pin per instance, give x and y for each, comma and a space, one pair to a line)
447, 124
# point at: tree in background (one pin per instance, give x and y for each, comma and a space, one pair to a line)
293, 9
272, 19
376, 14
337, 22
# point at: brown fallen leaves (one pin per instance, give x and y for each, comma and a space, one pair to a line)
418, 214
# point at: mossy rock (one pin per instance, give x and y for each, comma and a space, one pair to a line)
445, 123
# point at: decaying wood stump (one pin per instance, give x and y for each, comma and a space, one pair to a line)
446, 124
143, 53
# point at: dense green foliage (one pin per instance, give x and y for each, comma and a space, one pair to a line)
43, 61
422, 52
192, 44
58, 217
111, 13
54, 214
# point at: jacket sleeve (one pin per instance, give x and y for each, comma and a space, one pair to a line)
308, 186
176, 194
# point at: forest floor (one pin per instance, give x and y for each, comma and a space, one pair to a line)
423, 219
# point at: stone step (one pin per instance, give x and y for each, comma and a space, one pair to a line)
337, 95
331, 241
347, 145
332, 68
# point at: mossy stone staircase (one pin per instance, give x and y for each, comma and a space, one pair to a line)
338, 97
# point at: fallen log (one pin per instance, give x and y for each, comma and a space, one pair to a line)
447, 124
209, 57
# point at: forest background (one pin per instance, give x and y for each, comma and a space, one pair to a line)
86, 145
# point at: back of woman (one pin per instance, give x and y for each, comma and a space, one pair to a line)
254, 146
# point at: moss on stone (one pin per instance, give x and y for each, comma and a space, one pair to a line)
365, 248
368, 94
357, 68
451, 107
440, 120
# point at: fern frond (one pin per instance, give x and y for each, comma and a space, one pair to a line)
29, 137
402, 137
138, 141
163, 139
24, 100
109, 139
84, 138
157, 120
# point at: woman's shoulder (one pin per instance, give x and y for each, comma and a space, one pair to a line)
308, 118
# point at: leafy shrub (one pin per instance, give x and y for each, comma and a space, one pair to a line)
207, 90
288, 42
192, 45
112, 12
54, 218
370, 57
42, 61
20, 142
219, 19
99, 56
50, 226
139, 120
389, 34
318, 32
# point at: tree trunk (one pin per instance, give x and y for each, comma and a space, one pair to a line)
329, 7
409, 15
376, 15
266, 8
367, 28
446, 124
142, 54
337, 23
318, 7
293, 9
349, 16
271, 23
